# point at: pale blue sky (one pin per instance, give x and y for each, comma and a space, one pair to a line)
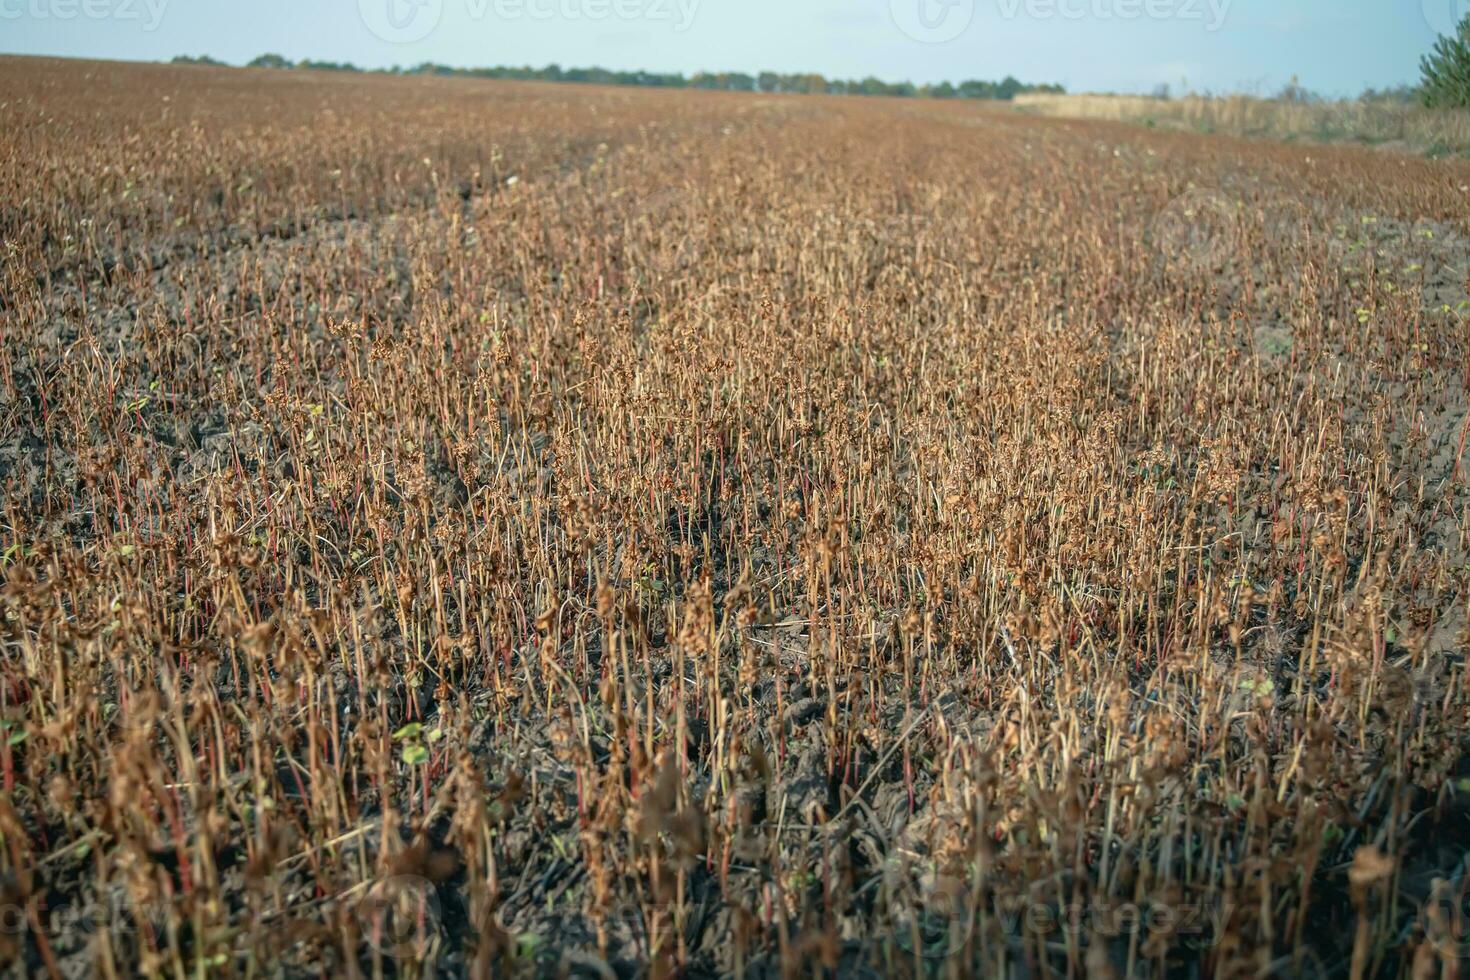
1120, 45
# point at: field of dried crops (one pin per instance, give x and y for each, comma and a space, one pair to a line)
457, 528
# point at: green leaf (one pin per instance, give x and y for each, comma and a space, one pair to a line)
411, 730
1261, 688
414, 754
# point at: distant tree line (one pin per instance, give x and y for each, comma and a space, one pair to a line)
1444, 83
807, 83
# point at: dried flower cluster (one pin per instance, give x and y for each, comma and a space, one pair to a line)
493, 529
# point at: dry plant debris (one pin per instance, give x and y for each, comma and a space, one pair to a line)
492, 529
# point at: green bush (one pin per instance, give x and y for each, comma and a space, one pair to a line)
1446, 70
